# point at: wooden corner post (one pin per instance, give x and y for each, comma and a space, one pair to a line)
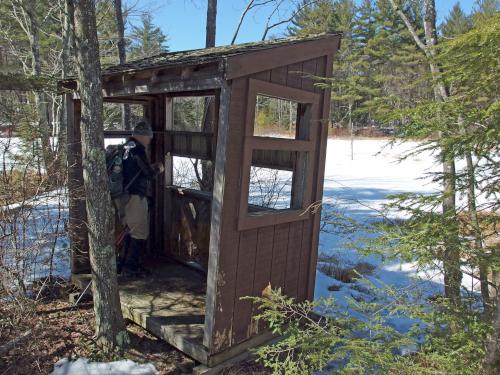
216, 215
77, 217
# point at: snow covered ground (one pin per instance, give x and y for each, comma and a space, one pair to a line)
358, 188
82, 366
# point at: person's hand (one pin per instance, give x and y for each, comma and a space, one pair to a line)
159, 167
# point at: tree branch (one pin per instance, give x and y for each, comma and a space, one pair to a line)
410, 27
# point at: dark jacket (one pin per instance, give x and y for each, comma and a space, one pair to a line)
137, 170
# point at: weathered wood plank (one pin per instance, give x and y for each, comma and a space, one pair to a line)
215, 276
222, 332
249, 63
262, 277
308, 71
319, 179
139, 87
170, 304
293, 259
242, 312
305, 251
294, 72
279, 75
280, 247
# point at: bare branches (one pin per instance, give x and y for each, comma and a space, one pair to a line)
275, 7
299, 9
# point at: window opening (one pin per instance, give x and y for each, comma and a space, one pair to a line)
112, 115
194, 113
269, 189
275, 117
188, 172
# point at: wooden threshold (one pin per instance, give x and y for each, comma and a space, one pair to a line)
171, 305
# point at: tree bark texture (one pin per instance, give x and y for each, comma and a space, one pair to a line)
451, 259
206, 182
211, 23
110, 327
122, 56
41, 98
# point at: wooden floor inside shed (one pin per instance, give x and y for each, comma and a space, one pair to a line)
170, 304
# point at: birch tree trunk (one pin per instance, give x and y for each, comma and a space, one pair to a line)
110, 327
122, 56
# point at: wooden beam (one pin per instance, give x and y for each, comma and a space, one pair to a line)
319, 180
254, 62
216, 215
169, 174
141, 87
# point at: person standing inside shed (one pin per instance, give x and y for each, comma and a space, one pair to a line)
137, 174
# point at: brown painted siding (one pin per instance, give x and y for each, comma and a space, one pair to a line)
279, 254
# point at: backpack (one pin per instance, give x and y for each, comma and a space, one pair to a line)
115, 155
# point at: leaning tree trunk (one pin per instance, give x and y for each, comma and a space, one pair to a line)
120, 26
110, 327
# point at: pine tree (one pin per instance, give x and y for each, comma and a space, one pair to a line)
147, 39
456, 23
314, 18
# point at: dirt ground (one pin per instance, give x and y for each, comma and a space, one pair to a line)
53, 329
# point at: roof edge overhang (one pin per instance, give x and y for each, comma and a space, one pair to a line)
267, 59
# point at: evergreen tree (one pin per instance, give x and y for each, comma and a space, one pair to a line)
147, 39
314, 18
456, 23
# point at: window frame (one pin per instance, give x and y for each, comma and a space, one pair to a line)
304, 143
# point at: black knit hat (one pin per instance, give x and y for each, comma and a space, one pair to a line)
143, 128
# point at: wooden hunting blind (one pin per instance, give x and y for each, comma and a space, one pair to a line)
245, 223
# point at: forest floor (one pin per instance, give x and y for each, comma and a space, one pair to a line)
52, 330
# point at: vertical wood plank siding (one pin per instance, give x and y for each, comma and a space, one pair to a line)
283, 255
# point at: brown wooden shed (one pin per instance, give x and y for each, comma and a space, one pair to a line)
238, 244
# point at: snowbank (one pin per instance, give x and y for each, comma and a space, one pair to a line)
82, 366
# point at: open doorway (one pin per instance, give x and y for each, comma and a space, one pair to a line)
173, 297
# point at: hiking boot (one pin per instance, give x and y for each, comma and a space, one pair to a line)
132, 266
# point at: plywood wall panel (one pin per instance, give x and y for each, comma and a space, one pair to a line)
242, 311
293, 258
280, 249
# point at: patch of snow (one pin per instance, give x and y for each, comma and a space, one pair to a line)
83, 366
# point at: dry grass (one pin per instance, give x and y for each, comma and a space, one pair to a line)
346, 274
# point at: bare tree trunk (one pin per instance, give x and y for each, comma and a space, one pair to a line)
41, 98
351, 128
122, 56
451, 259
110, 327
211, 23
67, 49
206, 182
491, 362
